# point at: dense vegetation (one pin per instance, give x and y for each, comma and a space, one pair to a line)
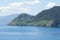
50, 17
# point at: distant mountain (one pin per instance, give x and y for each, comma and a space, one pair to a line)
4, 20
49, 17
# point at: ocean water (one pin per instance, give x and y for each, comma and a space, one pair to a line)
29, 33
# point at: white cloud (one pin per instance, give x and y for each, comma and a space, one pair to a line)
37, 1
50, 5
24, 10
15, 4
16, 7
33, 2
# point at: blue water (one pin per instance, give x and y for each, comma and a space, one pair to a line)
29, 33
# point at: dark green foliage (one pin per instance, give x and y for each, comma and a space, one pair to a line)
50, 17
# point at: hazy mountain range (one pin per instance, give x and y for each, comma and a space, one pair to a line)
48, 18
4, 20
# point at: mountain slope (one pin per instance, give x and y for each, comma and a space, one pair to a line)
50, 17
22, 19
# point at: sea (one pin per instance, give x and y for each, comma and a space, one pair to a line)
29, 33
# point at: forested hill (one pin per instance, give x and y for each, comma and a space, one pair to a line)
48, 18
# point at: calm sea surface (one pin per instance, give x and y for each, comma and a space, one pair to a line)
28, 33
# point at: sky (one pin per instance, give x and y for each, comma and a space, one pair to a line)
32, 7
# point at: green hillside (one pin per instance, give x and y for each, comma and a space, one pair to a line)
48, 18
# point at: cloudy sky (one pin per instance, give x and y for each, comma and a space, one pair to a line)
8, 7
